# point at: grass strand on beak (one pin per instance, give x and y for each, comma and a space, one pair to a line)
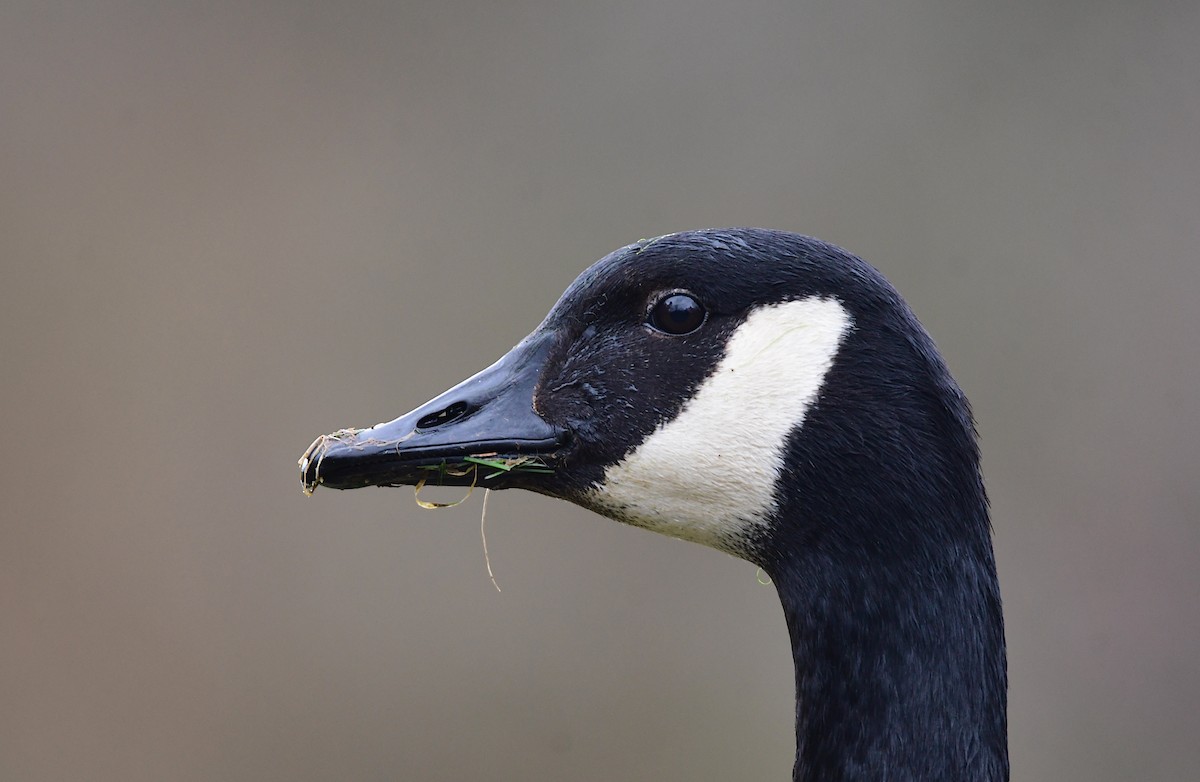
487, 560
517, 464
438, 505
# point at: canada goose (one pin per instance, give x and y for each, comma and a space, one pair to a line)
771, 396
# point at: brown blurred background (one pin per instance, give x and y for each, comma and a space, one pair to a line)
226, 228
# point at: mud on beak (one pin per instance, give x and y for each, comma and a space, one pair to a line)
484, 430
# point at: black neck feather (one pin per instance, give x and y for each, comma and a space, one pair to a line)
881, 552
900, 672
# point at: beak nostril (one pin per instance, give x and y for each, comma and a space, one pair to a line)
443, 416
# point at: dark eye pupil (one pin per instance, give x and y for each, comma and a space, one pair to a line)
678, 313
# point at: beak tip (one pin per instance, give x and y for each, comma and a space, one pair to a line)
307, 484
310, 461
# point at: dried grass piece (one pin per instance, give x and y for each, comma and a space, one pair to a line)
439, 505
487, 560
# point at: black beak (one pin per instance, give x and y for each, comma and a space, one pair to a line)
484, 430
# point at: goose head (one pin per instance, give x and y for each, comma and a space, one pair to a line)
770, 396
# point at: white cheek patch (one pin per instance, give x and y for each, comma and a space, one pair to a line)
709, 474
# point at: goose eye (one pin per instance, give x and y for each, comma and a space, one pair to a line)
678, 313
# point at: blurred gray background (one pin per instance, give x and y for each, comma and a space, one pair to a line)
226, 228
